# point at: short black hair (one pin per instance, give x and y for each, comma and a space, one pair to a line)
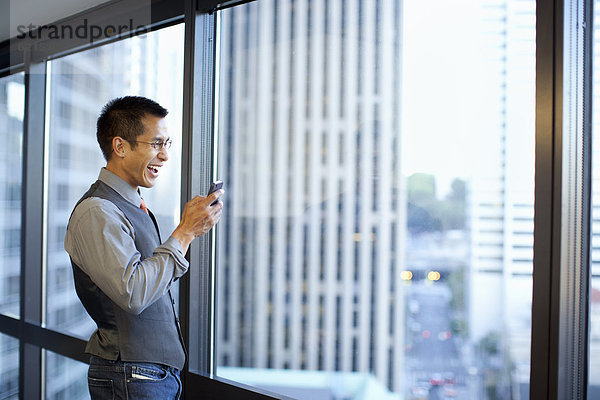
123, 117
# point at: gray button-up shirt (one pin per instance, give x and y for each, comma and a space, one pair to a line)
100, 241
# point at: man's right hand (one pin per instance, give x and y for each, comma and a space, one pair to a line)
198, 218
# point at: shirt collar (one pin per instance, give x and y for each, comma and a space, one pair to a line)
120, 186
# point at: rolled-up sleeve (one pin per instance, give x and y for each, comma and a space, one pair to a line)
100, 240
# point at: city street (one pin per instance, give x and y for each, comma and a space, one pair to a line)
435, 363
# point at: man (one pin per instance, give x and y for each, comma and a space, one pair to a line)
122, 271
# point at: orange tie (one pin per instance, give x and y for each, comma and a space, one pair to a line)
143, 206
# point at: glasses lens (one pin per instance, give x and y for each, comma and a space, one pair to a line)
161, 144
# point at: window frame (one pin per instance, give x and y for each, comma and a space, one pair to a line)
560, 306
197, 297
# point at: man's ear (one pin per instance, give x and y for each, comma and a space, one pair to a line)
119, 147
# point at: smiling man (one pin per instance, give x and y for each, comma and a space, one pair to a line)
123, 272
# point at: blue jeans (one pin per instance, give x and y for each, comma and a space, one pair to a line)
108, 380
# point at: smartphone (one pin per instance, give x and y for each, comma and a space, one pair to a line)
214, 186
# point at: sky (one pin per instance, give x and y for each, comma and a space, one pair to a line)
440, 89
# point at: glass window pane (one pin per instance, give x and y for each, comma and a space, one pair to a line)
65, 378
378, 160
80, 85
9, 367
12, 108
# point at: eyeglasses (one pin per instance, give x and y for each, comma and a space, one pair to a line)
157, 145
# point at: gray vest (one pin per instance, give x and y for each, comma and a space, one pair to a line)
153, 335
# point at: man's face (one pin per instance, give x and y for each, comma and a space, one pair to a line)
142, 164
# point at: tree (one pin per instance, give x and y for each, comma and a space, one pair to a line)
426, 213
422, 204
454, 206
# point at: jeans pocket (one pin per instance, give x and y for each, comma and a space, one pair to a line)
101, 389
151, 381
149, 373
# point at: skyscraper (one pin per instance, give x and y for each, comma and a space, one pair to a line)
310, 247
502, 220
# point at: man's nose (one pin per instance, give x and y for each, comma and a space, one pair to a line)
163, 154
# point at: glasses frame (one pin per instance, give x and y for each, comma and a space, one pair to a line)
157, 145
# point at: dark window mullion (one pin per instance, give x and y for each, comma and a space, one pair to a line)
32, 232
562, 201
